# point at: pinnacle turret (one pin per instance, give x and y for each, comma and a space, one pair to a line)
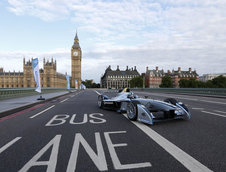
76, 42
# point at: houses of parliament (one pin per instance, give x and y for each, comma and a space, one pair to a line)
49, 76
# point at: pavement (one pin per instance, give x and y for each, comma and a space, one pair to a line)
72, 133
8, 106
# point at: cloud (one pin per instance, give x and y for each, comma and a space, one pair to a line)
144, 33
95, 63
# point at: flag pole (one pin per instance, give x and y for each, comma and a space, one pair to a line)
41, 98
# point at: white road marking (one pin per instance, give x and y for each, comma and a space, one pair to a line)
213, 102
116, 162
98, 158
185, 98
97, 92
198, 108
216, 114
42, 111
9, 144
51, 163
219, 111
189, 162
64, 100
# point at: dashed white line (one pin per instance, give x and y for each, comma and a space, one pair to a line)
213, 102
9, 144
216, 114
97, 92
198, 108
189, 162
64, 100
42, 111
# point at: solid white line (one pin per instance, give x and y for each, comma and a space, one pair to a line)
64, 100
219, 111
216, 114
189, 162
9, 144
97, 92
42, 111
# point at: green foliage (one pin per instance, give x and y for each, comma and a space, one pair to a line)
166, 82
90, 84
136, 82
218, 82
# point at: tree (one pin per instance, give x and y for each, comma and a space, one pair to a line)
166, 82
219, 82
90, 84
183, 83
136, 82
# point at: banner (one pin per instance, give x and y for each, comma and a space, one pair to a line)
36, 74
68, 82
76, 84
83, 87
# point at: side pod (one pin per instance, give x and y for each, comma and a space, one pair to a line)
187, 114
143, 115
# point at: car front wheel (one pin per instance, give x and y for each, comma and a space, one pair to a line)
132, 111
100, 101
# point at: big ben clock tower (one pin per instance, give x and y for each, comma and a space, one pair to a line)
76, 57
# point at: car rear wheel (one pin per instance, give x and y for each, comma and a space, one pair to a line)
132, 111
100, 101
171, 100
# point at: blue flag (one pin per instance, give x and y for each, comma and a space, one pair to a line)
68, 82
36, 74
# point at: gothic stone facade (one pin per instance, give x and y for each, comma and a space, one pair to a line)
118, 79
76, 58
153, 78
48, 75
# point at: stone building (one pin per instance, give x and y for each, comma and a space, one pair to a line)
207, 77
48, 75
176, 76
153, 78
76, 58
118, 79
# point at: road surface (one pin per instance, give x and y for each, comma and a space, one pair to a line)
72, 134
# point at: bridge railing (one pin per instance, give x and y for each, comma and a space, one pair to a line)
200, 91
20, 92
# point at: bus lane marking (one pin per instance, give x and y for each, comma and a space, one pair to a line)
186, 160
42, 111
9, 144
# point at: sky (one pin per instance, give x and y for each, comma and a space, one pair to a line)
164, 33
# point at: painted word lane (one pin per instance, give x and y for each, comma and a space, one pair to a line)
95, 146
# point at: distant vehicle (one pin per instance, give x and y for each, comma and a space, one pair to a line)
144, 110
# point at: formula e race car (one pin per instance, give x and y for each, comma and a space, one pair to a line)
144, 110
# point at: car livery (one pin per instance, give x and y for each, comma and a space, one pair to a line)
145, 110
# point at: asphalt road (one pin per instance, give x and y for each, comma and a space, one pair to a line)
72, 134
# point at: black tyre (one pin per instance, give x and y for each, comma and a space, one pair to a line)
100, 101
171, 100
132, 111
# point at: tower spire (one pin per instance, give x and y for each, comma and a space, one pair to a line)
76, 35
76, 41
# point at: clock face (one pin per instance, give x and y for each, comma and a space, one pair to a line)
75, 53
